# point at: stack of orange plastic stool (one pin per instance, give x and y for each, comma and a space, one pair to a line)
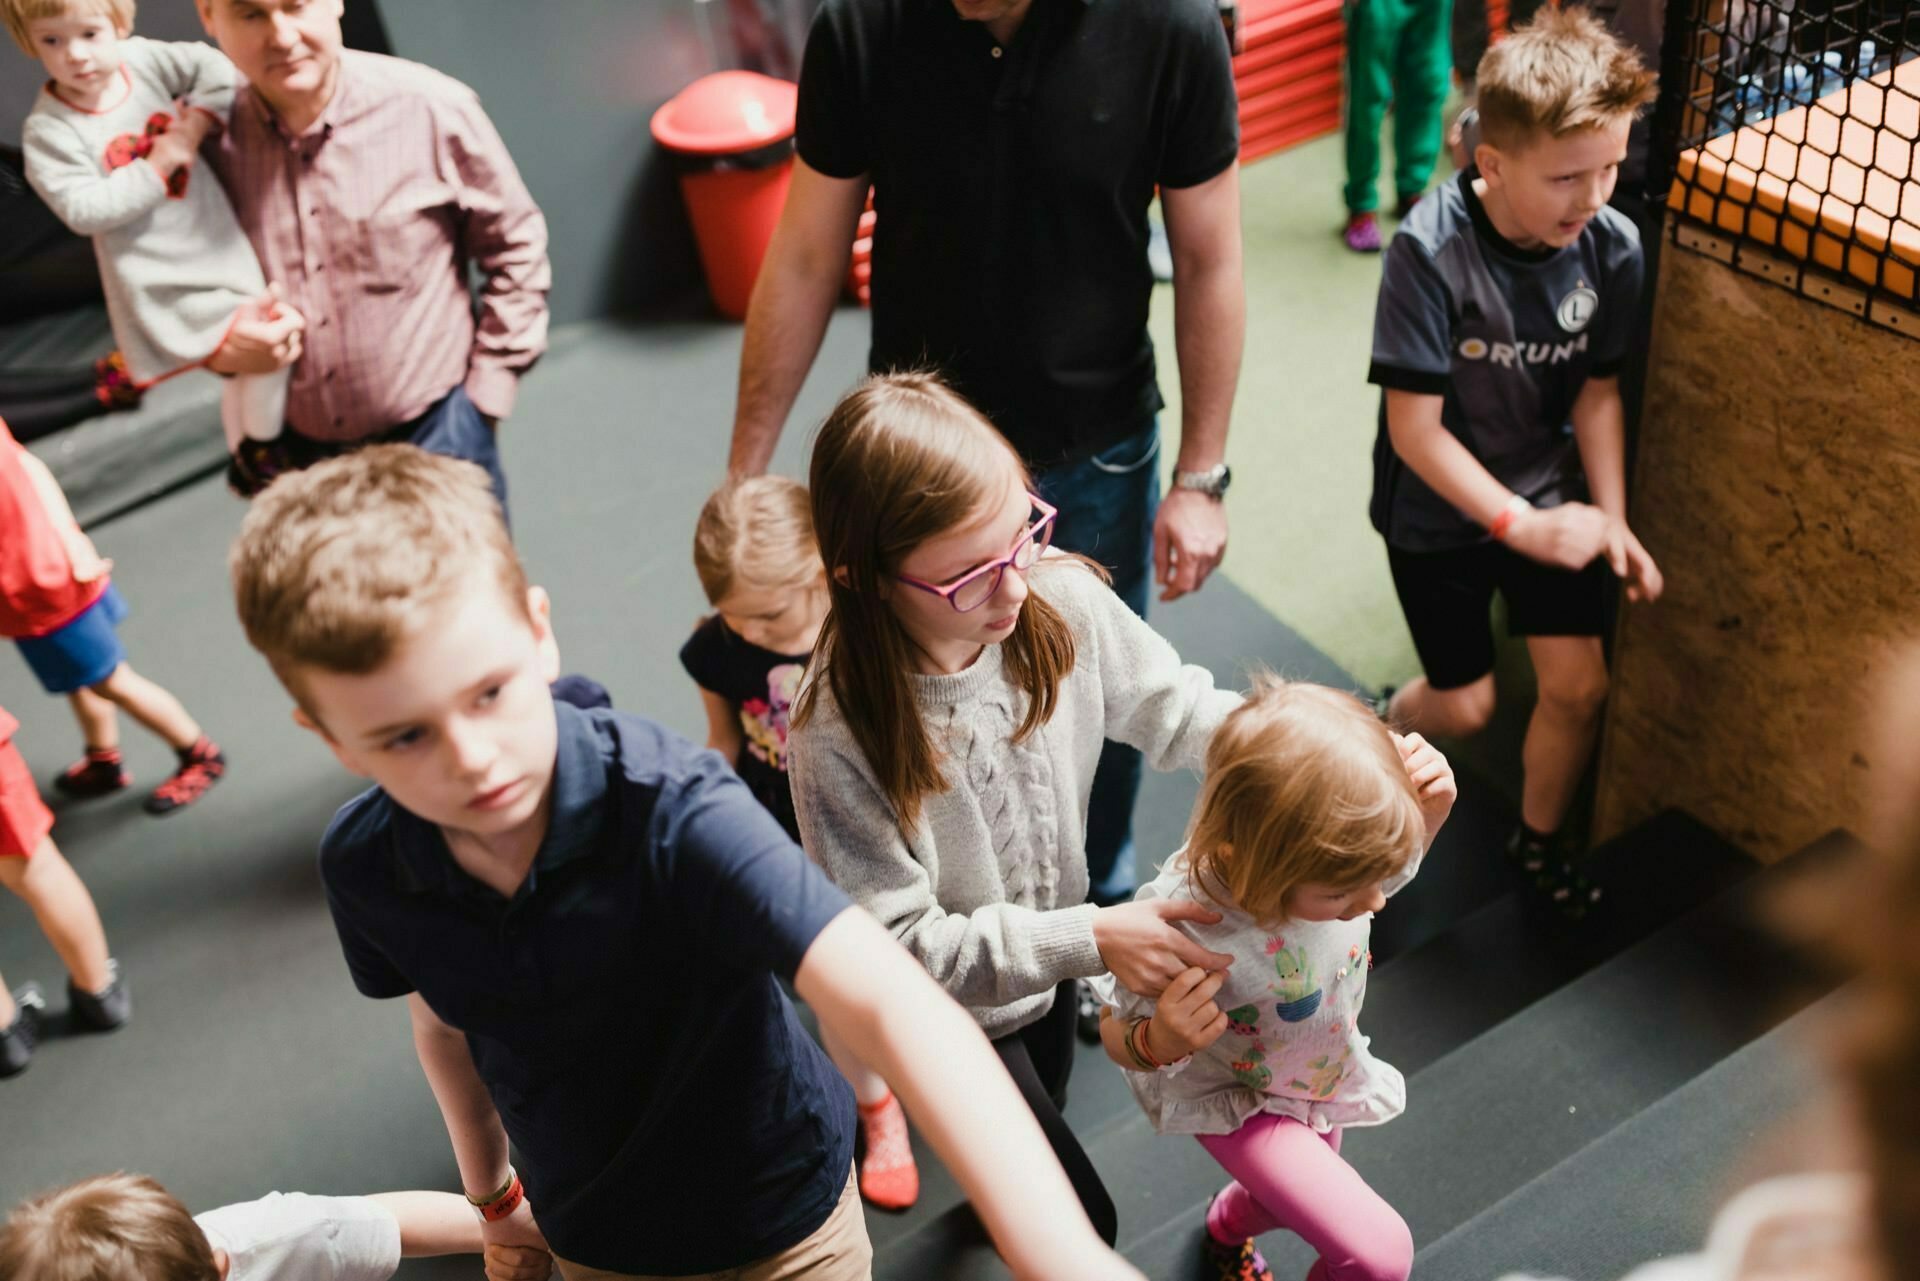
1289, 75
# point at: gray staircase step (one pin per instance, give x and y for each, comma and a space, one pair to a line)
1664, 1173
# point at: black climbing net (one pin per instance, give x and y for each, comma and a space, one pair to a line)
1790, 125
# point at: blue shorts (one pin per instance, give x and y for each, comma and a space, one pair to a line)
84, 652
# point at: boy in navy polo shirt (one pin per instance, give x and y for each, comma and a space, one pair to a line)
1507, 307
588, 916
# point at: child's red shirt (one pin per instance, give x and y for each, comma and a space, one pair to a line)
37, 591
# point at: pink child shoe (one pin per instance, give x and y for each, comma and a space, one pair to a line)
1362, 234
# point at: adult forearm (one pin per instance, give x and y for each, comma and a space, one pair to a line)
1600, 432
1209, 329
786, 320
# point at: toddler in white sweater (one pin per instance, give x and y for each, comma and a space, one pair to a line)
110, 146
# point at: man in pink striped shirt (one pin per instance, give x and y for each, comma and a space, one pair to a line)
369, 186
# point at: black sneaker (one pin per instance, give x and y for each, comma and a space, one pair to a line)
18, 1038
104, 1010
1087, 1014
1549, 870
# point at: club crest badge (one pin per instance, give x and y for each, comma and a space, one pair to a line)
1576, 310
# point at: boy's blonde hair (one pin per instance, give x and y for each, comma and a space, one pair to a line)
112, 1227
1303, 784
1560, 73
335, 565
18, 13
757, 534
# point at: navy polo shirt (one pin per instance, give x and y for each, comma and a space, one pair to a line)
669, 1112
1011, 187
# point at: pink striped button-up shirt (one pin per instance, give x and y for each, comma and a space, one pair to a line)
369, 220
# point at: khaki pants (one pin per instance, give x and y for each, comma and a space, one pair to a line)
837, 1251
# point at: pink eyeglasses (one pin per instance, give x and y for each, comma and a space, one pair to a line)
977, 586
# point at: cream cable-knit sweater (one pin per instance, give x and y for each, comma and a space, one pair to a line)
989, 889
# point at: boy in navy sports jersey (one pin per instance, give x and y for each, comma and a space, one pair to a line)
1507, 308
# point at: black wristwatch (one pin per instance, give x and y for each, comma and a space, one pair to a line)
1212, 482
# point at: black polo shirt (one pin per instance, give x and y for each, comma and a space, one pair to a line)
1011, 187
669, 1112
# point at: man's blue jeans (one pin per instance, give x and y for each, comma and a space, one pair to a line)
450, 426
1107, 505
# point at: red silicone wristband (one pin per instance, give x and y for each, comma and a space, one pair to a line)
505, 1204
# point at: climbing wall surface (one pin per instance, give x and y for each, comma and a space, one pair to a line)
1777, 483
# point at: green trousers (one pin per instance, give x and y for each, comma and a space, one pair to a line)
1399, 54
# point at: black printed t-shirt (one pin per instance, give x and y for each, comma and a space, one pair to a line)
1507, 337
1011, 188
670, 1114
760, 686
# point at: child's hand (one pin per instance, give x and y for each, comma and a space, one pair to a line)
517, 1263
1186, 1018
1142, 949
195, 122
1632, 564
265, 336
88, 564
1566, 537
174, 150
1433, 781
514, 1241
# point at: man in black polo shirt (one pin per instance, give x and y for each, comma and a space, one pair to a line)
1013, 148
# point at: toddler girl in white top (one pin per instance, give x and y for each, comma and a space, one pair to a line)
1311, 815
110, 146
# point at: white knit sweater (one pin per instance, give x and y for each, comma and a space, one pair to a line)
174, 268
989, 888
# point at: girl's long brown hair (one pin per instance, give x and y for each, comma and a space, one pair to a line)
903, 458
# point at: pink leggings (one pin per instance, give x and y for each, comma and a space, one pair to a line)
1286, 1176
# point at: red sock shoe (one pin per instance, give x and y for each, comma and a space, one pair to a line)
888, 1177
95, 774
200, 768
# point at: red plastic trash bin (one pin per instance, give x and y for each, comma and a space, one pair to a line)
731, 135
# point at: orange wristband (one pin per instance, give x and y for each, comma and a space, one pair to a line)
503, 1204
1508, 514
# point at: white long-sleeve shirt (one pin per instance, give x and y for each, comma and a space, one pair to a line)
174, 266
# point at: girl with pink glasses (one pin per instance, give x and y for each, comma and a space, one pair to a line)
943, 747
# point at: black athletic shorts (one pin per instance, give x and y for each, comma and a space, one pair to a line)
1446, 597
